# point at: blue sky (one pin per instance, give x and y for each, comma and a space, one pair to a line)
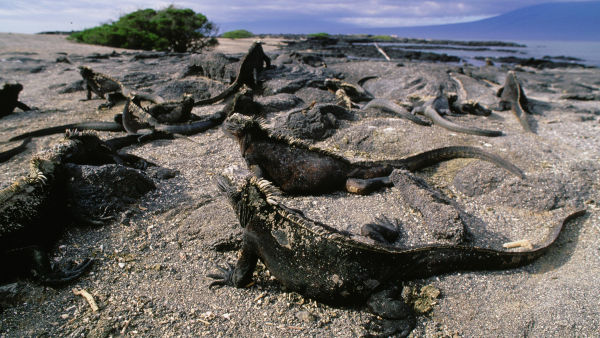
301, 16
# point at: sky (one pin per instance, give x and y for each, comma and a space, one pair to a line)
283, 16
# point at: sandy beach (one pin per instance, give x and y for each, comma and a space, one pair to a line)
151, 261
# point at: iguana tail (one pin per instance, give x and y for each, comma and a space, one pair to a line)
431, 113
91, 125
229, 91
438, 155
472, 258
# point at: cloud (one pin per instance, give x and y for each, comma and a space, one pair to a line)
29, 17
373, 22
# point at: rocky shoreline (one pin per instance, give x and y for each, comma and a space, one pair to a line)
151, 261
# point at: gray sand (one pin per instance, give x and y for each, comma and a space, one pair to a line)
151, 264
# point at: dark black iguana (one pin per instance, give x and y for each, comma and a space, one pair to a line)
298, 168
513, 97
34, 209
332, 266
252, 63
9, 99
347, 93
434, 92
103, 85
88, 125
161, 119
173, 118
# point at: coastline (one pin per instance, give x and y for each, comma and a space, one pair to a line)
152, 260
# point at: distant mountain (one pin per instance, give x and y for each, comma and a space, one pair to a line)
572, 21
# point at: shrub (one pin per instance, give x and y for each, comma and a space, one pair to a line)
237, 34
319, 35
174, 29
383, 38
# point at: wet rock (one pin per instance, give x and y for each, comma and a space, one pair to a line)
291, 79
443, 219
199, 89
161, 173
140, 79
278, 102
310, 95
311, 59
63, 59
315, 123
215, 66
97, 191
421, 299
547, 191
37, 69
479, 178
148, 55
76, 86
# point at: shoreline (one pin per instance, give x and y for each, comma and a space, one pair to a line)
152, 260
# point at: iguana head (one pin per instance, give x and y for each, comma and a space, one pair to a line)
247, 193
85, 71
12, 88
89, 150
241, 127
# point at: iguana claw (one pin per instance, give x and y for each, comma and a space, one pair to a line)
224, 278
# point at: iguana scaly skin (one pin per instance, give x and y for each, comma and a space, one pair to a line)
434, 92
298, 168
513, 97
103, 85
252, 63
139, 121
348, 93
34, 208
332, 266
392, 107
81, 126
9, 99
170, 119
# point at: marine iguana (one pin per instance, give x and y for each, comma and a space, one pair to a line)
392, 107
347, 92
9, 99
298, 168
103, 85
81, 126
512, 96
160, 112
434, 92
34, 208
174, 118
332, 266
252, 63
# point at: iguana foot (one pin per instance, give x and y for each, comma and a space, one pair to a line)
383, 230
366, 186
106, 105
389, 327
397, 317
56, 278
225, 278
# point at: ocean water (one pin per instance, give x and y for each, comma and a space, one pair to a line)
587, 52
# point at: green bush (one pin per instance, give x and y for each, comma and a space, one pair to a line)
237, 34
173, 29
383, 38
319, 35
